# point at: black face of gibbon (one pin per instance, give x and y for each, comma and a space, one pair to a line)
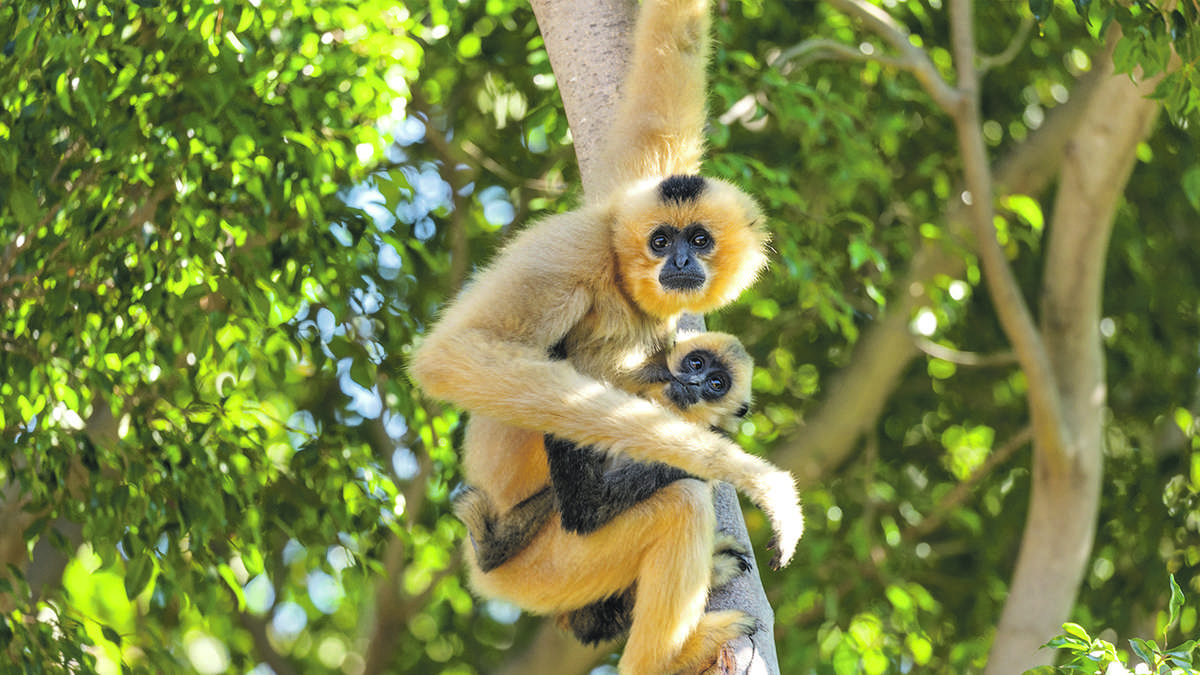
703, 377
682, 271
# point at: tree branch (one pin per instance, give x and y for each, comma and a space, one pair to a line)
822, 48
1010, 52
882, 355
956, 497
1044, 404
913, 58
963, 358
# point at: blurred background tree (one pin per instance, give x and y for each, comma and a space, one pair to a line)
222, 226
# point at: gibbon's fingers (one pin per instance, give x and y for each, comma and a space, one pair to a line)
781, 503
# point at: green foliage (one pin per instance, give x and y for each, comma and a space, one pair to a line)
1095, 655
223, 225
1154, 40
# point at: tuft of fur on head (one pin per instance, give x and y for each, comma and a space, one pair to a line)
732, 218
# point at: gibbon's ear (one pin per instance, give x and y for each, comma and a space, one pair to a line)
677, 208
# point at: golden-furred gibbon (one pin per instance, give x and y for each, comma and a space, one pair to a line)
549, 339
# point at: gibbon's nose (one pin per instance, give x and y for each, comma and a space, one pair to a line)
681, 257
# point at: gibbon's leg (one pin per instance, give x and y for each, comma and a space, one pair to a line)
601, 621
497, 538
588, 495
611, 617
664, 545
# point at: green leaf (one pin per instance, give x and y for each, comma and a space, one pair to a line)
1041, 9
1076, 630
23, 202
1175, 605
1191, 186
137, 574
111, 635
1144, 649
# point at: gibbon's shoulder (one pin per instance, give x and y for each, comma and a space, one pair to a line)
561, 249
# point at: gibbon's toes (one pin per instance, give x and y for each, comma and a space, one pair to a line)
748, 625
730, 560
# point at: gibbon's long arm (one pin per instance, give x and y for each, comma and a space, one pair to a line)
499, 375
658, 130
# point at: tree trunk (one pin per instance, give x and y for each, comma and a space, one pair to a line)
1065, 501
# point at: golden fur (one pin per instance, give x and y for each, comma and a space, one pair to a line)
576, 282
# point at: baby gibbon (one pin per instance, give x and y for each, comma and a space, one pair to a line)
549, 339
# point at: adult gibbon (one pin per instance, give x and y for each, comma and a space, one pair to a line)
549, 337
706, 378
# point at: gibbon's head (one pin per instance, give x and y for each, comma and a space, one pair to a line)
710, 380
687, 244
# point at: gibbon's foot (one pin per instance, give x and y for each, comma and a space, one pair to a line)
704, 647
730, 559
475, 510
495, 538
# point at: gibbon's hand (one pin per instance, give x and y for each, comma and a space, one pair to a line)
787, 519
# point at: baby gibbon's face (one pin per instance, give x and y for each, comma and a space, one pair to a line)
710, 379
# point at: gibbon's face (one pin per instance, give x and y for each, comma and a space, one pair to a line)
687, 244
713, 369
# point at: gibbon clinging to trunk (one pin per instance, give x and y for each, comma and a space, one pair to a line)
549, 338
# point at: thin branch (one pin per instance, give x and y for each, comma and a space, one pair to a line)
914, 58
958, 496
542, 185
1010, 52
817, 49
962, 358
1044, 403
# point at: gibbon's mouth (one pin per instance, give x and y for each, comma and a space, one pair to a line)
683, 395
680, 281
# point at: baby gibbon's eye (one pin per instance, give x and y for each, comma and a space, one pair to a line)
717, 384
694, 362
700, 239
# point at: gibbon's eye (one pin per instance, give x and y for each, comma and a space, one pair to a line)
660, 240
694, 362
700, 239
717, 383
